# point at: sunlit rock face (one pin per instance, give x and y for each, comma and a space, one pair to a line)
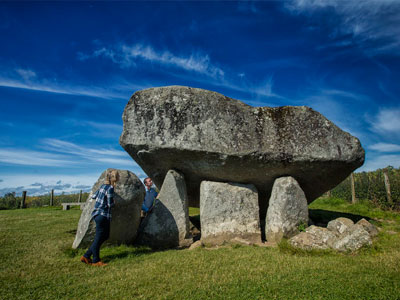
208, 136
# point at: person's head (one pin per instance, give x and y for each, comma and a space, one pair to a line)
112, 176
148, 182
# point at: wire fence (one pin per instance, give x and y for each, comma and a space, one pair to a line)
11, 201
381, 187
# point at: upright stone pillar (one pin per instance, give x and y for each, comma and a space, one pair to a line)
128, 198
229, 212
286, 211
167, 225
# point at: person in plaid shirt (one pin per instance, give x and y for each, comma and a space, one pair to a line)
102, 216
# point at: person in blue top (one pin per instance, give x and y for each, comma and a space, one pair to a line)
150, 196
102, 216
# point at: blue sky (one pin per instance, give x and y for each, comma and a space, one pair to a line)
67, 70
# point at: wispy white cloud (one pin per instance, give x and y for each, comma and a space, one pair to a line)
30, 80
385, 147
58, 153
104, 129
266, 89
91, 154
376, 21
26, 74
127, 56
380, 161
33, 158
387, 121
343, 94
60, 89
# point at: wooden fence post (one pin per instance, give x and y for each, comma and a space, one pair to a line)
52, 198
23, 199
387, 186
80, 196
353, 190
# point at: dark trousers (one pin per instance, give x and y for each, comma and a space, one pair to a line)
102, 234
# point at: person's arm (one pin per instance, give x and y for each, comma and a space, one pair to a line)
110, 197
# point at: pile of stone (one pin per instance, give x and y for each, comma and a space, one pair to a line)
341, 235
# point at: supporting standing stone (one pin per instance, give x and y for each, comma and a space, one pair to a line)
128, 197
287, 209
229, 211
167, 226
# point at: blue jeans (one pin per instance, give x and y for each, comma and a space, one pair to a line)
102, 234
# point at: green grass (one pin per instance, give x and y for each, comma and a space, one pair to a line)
36, 262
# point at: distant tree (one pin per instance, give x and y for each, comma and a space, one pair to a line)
9, 201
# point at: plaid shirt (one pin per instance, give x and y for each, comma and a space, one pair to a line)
104, 201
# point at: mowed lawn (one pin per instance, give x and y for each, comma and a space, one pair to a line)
36, 262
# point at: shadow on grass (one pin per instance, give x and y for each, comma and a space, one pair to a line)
110, 253
322, 217
128, 252
285, 247
73, 232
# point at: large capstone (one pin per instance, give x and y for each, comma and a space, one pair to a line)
128, 198
286, 211
229, 211
208, 136
167, 225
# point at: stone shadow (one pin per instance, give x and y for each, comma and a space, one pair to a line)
158, 230
195, 227
322, 217
136, 252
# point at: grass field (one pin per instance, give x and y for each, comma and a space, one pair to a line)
36, 262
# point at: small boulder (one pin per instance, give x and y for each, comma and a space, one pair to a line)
325, 235
196, 245
167, 226
128, 197
314, 238
307, 241
370, 228
228, 211
340, 225
353, 239
287, 209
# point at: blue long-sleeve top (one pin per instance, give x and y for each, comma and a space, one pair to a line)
148, 202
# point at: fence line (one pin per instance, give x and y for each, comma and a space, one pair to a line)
382, 187
11, 201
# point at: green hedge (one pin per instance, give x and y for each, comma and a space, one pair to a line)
371, 186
